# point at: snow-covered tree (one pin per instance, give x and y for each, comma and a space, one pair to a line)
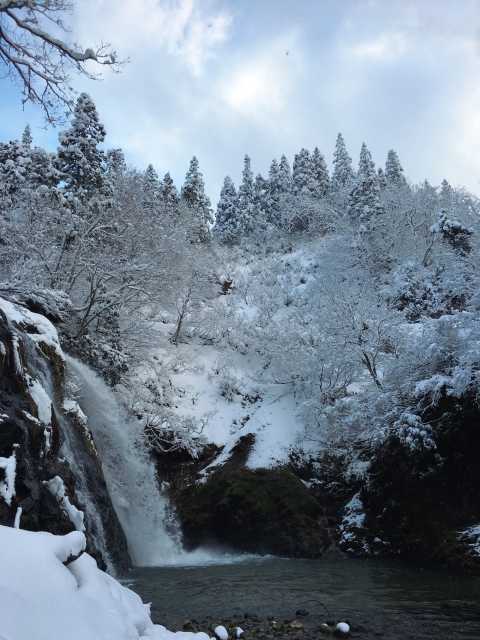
80, 161
193, 194
226, 222
394, 170
342, 176
169, 193
151, 189
116, 164
321, 179
284, 175
303, 178
364, 201
38, 60
454, 233
27, 137
382, 180
274, 190
446, 195
260, 200
246, 199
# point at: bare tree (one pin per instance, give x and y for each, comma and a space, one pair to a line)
39, 61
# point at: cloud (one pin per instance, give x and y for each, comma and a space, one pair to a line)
260, 86
221, 78
385, 46
190, 30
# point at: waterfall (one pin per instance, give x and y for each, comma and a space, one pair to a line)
152, 534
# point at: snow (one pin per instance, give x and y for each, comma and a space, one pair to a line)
42, 330
218, 391
221, 632
42, 401
44, 599
71, 406
472, 536
18, 517
343, 627
56, 486
239, 632
7, 485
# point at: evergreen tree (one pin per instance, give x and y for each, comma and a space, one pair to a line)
226, 222
193, 194
260, 200
394, 170
246, 199
321, 179
27, 137
274, 190
284, 176
41, 169
14, 162
364, 201
446, 195
151, 189
80, 162
303, 179
382, 181
116, 164
342, 166
169, 193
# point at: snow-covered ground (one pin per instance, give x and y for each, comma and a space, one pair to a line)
41, 598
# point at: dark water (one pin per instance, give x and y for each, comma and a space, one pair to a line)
379, 600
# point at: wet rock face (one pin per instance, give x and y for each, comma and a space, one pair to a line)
262, 511
26, 362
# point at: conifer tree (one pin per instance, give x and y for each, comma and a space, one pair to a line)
193, 194
446, 195
260, 200
13, 172
342, 166
246, 198
364, 201
27, 137
394, 170
226, 222
321, 179
284, 176
116, 164
274, 190
303, 180
169, 193
41, 169
151, 189
79, 160
382, 181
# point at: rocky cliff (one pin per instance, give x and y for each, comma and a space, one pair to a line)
50, 474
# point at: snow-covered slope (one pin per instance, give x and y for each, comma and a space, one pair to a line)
217, 384
43, 598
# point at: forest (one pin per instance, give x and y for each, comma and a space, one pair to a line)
291, 373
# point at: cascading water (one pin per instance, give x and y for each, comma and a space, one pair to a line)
151, 532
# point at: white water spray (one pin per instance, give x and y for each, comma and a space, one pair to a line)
151, 530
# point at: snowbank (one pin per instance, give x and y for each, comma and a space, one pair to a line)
42, 598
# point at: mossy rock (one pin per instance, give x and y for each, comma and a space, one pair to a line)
262, 510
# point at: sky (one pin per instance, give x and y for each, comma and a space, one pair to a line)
221, 78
